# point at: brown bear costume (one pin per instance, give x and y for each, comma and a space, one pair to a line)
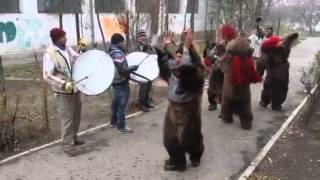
182, 126
274, 60
216, 77
239, 73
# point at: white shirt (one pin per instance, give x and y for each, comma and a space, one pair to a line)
256, 45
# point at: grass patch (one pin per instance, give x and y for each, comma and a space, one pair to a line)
21, 71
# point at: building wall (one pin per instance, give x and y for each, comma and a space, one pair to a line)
29, 30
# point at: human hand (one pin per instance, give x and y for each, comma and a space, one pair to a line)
68, 86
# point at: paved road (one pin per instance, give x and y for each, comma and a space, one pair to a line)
140, 156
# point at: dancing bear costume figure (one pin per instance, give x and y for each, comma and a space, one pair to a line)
182, 126
239, 73
274, 60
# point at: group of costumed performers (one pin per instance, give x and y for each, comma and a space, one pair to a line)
233, 67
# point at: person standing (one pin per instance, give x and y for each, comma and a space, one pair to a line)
120, 84
269, 32
181, 67
145, 87
57, 71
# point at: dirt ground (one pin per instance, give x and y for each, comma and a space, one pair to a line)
28, 127
296, 155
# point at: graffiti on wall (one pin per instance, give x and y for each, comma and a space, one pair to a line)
8, 32
21, 32
26, 32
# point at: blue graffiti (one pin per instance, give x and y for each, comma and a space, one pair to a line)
7, 30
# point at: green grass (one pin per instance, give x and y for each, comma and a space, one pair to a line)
21, 71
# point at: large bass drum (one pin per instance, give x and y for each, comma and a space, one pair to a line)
93, 72
148, 66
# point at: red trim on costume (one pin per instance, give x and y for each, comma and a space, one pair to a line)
242, 74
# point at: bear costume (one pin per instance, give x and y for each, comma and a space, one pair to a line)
274, 60
182, 126
216, 76
239, 73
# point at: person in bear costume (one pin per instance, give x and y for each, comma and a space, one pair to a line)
275, 62
239, 73
181, 67
215, 77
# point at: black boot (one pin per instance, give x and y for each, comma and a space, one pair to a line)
144, 109
212, 107
150, 106
169, 165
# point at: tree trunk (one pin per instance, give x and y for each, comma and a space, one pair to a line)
206, 21
61, 14
192, 22
3, 95
166, 22
128, 27
44, 91
77, 26
240, 25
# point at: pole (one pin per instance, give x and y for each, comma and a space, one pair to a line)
61, 14
101, 31
206, 20
77, 26
92, 22
279, 27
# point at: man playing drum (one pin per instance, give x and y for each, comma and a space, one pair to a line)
57, 71
145, 87
120, 84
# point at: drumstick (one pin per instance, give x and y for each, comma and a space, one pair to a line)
139, 75
81, 80
144, 59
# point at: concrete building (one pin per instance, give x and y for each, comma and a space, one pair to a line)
26, 28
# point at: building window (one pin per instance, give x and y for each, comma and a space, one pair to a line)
192, 6
110, 6
59, 6
147, 6
173, 6
9, 6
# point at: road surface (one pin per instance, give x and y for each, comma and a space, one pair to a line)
139, 156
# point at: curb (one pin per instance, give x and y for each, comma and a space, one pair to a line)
262, 154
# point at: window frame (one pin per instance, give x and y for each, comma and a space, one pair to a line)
99, 6
11, 11
53, 10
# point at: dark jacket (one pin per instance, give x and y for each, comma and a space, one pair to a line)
144, 47
123, 71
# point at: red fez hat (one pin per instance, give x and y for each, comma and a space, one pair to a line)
56, 34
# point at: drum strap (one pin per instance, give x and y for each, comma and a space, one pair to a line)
139, 75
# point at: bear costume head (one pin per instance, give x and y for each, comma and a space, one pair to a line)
277, 49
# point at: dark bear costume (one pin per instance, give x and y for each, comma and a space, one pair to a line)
274, 60
182, 126
239, 73
216, 77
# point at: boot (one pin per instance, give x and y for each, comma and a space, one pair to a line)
212, 107
170, 166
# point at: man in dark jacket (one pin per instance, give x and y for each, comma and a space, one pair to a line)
145, 87
121, 89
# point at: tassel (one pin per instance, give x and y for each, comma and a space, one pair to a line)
243, 72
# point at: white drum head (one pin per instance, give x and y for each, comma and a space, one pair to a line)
148, 66
93, 72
